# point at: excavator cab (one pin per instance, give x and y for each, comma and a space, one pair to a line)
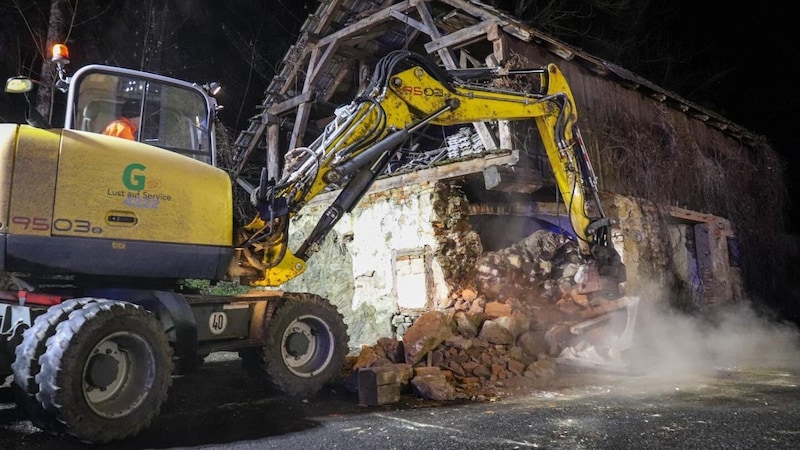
175, 115
150, 205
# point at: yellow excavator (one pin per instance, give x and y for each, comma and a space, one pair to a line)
407, 93
99, 232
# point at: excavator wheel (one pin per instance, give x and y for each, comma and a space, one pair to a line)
105, 371
26, 365
305, 344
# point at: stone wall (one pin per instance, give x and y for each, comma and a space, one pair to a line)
406, 250
381, 258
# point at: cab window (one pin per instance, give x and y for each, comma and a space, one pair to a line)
174, 118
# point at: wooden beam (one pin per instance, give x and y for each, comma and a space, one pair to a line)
449, 62
465, 59
273, 151
689, 215
327, 15
300, 124
340, 76
460, 37
484, 14
251, 145
284, 106
406, 19
366, 23
427, 18
451, 170
301, 54
312, 76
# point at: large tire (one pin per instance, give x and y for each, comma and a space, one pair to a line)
106, 372
26, 365
305, 344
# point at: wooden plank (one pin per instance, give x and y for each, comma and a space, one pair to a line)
376, 395
282, 107
327, 15
691, 216
450, 63
300, 124
319, 65
460, 37
273, 151
427, 18
406, 19
523, 209
257, 134
366, 23
484, 14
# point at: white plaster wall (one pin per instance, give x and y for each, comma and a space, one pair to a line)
354, 267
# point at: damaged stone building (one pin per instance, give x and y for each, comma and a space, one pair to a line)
454, 227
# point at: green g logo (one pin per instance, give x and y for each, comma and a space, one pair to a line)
131, 179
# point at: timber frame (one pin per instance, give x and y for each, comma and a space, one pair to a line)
341, 40
332, 61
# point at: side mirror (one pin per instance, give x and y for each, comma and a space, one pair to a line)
23, 85
19, 85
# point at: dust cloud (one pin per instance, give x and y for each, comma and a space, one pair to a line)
673, 347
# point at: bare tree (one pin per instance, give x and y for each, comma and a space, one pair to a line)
59, 25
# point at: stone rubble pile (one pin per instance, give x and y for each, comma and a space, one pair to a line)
505, 329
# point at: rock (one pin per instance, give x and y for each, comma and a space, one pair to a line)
458, 342
426, 370
469, 366
544, 368
533, 343
516, 367
392, 348
456, 368
467, 324
445, 303
516, 353
482, 371
497, 309
517, 323
580, 299
541, 244
427, 332
498, 372
437, 357
433, 386
477, 306
366, 358
495, 333
558, 337
469, 295
569, 270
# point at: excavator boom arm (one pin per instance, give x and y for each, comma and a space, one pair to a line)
406, 93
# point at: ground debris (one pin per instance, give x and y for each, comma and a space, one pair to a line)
506, 326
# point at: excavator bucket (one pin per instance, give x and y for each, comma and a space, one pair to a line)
598, 342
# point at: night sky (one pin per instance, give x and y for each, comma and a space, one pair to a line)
756, 56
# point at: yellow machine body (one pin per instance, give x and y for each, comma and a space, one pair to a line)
81, 203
